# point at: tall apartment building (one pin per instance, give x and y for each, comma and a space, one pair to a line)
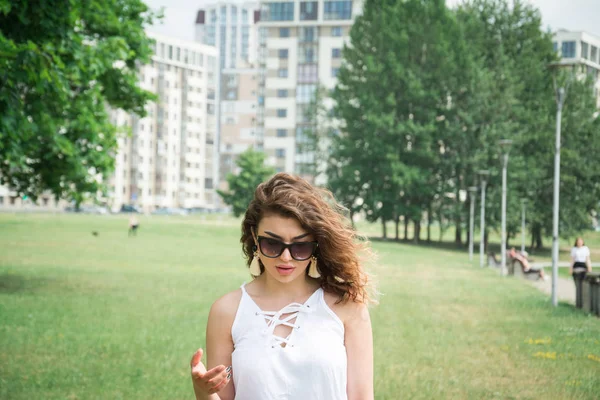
580, 50
170, 158
230, 26
300, 48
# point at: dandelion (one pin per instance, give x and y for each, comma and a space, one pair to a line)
549, 355
538, 341
593, 357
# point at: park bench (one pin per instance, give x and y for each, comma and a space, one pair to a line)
492, 260
515, 267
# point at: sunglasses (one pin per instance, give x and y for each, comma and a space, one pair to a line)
273, 248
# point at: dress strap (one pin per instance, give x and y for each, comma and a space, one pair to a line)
243, 287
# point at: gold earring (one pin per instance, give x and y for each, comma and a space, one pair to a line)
313, 272
254, 265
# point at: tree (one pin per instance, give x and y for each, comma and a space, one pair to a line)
508, 38
63, 64
396, 75
253, 171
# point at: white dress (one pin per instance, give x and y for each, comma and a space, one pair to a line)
311, 366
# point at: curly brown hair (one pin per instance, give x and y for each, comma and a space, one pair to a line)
317, 211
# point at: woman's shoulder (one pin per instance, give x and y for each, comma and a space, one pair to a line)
227, 305
345, 310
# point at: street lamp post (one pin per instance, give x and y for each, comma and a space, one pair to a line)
483, 175
559, 102
505, 146
472, 194
523, 209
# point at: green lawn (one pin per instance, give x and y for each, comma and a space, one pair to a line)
112, 317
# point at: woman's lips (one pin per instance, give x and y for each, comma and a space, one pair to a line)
285, 269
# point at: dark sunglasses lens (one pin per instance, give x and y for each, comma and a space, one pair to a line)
270, 247
302, 251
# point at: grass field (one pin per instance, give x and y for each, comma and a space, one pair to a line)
112, 317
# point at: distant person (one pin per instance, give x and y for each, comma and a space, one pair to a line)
581, 265
133, 226
527, 269
300, 330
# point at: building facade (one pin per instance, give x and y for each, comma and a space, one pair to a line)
582, 51
230, 26
300, 48
170, 158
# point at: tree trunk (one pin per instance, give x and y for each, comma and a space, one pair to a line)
397, 222
429, 224
384, 228
537, 236
417, 235
406, 221
486, 238
352, 219
458, 232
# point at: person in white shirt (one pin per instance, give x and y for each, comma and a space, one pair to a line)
301, 328
580, 258
581, 265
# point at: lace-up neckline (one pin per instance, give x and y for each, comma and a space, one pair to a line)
287, 316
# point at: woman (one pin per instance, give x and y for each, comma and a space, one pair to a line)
580, 266
301, 329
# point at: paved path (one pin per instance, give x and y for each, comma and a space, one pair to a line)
565, 288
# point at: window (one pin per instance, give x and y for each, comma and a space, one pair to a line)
555, 46
584, 50
334, 72
279, 11
208, 183
282, 72
337, 10
281, 132
308, 10
283, 53
336, 53
307, 54
234, 14
594, 54
281, 113
280, 153
308, 73
305, 93
568, 49
284, 32
336, 31
308, 34
303, 114
282, 93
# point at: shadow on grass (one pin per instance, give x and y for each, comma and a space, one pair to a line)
13, 283
461, 247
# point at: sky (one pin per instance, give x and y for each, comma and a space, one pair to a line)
573, 15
